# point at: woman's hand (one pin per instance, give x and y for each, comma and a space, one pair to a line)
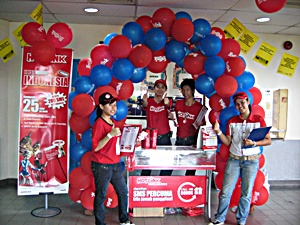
216, 127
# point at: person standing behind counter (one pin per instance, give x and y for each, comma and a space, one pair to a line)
187, 111
242, 162
157, 116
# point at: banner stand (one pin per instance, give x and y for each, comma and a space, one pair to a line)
46, 211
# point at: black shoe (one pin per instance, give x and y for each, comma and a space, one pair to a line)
216, 222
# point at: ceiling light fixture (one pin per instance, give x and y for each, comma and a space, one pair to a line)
91, 10
263, 19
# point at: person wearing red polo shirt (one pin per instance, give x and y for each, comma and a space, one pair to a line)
157, 116
242, 161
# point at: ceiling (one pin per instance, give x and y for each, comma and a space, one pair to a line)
118, 12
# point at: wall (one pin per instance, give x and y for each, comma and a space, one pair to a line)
86, 36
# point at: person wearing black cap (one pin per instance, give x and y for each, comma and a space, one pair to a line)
242, 161
157, 115
187, 111
106, 165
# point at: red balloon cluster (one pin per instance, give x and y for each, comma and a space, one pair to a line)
82, 186
44, 44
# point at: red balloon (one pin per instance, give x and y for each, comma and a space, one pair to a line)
235, 66
79, 124
102, 89
270, 6
219, 180
83, 104
120, 123
84, 67
100, 54
79, 179
213, 116
74, 194
218, 103
59, 35
33, 32
111, 200
182, 30
259, 180
163, 18
262, 161
218, 32
120, 46
43, 53
230, 48
220, 163
159, 62
87, 198
226, 86
258, 110
123, 88
145, 22
224, 152
256, 94
260, 197
85, 162
140, 56
194, 63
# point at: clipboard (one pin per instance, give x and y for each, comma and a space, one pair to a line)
258, 134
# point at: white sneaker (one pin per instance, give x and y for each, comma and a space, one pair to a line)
216, 222
127, 223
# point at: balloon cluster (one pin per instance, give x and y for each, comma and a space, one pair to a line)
150, 44
44, 43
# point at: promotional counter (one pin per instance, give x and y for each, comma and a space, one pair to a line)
171, 191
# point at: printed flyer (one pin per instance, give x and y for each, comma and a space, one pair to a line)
44, 126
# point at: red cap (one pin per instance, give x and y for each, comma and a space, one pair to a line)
240, 95
107, 98
160, 81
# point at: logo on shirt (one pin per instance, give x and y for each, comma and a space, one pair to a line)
157, 109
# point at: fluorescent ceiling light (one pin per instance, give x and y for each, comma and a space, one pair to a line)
91, 10
263, 19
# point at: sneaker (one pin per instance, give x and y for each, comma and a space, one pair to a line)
127, 223
216, 222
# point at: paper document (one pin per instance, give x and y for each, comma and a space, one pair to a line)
200, 116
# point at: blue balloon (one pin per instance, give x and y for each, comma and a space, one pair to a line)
73, 165
175, 51
71, 97
77, 151
134, 32
246, 80
92, 117
214, 66
100, 75
210, 45
86, 139
83, 84
122, 69
226, 114
108, 38
202, 28
182, 14
138, 75
121, 112
204, 84
155, 39
73, 139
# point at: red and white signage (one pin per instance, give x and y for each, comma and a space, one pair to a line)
167, 191
44, 126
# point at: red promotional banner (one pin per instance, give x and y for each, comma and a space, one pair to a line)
44, 126
167, 191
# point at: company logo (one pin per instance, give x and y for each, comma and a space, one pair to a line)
187, 192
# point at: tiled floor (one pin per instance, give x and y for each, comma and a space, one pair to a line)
282, 208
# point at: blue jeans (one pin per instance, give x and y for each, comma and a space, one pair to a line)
235, 168
103, 175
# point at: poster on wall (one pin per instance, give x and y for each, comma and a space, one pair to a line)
43, 124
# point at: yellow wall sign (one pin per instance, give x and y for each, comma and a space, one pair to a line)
265, 54
247, 40
37, 14
234, 29
288, 65
18, 34
6, 50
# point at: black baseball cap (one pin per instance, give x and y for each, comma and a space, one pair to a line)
106, 98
